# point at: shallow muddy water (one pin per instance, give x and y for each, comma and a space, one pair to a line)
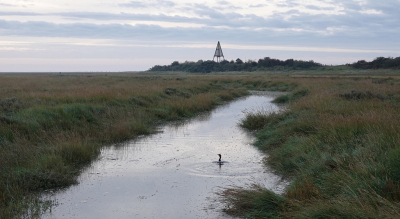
172, 174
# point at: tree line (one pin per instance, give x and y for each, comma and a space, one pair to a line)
268, 63
238, 65
380, 62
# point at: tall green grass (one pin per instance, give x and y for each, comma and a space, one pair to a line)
51, 126
257, 202
342, 155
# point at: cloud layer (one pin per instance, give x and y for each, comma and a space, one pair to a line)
350, 26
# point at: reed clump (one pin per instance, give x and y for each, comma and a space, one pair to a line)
339, 146
250, 201
53, 125
292, 96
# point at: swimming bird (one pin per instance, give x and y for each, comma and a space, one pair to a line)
220, 162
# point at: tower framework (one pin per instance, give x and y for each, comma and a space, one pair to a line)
218, 53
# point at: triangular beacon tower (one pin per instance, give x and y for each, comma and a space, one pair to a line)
218, 53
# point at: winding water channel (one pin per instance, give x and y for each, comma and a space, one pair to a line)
171, 174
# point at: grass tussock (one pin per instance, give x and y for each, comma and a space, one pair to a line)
256, 202
53, 125
339, 145
286, 98
258, 119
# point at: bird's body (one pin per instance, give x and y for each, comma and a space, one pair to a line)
220, 162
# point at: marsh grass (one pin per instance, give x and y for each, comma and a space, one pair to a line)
256, 202
53, 125
342, 154
257, 119
295, 95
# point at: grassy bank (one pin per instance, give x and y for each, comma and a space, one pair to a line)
53, 125
338, 143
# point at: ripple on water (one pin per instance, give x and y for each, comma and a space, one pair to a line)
213, 169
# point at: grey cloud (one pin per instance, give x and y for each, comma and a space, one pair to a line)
292, 11
134, 4
19, 13
352, 24
214, 15
288, 3
166, 3
353, 20
224, 3
6, 5
203, 10
387, 7
257, 6
157, 33
349, 5
210, 17
15, 5
282, 5
148, 4
318, 8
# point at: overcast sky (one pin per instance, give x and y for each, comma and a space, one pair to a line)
124, 35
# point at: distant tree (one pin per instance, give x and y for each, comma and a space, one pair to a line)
239, 61
289, 62
377, 63
224, 62
266, 63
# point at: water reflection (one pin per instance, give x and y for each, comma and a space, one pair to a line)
171, 174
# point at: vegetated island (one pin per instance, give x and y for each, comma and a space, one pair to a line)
268, 63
